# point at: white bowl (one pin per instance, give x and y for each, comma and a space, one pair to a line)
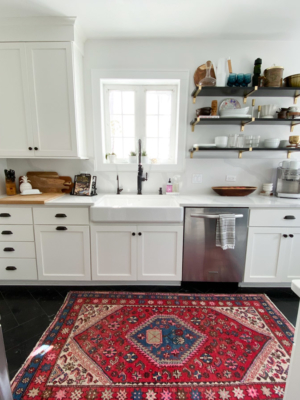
221, 141
235, 111
272, 143
269, 110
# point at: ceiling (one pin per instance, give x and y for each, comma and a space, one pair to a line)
203, 19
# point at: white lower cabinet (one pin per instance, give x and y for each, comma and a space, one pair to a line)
160, 253
114, 253
63, 252
131, 252
272, 255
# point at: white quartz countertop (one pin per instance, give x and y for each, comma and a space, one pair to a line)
296, 286
252, 201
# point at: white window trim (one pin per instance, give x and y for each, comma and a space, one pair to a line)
169, 77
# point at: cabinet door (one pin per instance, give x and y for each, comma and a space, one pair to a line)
15, 119
50, 73
63, 254
160, 253
291, 265
266, 250
114, 253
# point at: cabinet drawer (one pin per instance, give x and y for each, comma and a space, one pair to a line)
15, 215
17, 250
61, 216
16, 233
285, 217
13, 269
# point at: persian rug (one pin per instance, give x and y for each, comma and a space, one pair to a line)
158, 346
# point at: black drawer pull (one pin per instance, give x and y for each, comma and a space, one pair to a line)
60, 216
11, 268
8, 249
291, 236
6, 233
133, 234
61, 228
289, 217
285, 236
140, 234
5, 215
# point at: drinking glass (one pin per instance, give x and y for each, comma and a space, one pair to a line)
240, 141
248, 141
232, 140
255, 141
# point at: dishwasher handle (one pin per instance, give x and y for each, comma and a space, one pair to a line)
213, 216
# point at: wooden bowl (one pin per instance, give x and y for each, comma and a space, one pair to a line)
293, 80
234, 190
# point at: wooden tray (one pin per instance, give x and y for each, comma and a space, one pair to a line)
30, 199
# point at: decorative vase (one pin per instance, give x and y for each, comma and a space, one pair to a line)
112, 158
145, 160
132, 159
25, 185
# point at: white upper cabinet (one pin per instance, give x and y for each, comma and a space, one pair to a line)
16, 136
40, 102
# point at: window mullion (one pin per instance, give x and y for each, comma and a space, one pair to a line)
141, 115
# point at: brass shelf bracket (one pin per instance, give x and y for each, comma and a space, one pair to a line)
197, 92
296, 97
249, 94
293, 125
195, 123
246, 123
192, 153
241, 153
289, 153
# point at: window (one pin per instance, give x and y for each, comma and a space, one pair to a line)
141, 111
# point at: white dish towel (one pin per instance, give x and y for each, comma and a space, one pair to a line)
225, 231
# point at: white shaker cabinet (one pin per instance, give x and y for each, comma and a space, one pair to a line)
273, 246
114, 253
41, 101
63, 252
160, 253
16, 135
266, 251
136, 253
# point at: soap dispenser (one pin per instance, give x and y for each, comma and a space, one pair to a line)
169, 186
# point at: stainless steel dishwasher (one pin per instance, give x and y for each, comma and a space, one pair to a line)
202, 260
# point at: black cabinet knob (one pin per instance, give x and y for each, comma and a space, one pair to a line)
5, 215
6, 233
29, 148
60, 216
36, 148
289, 217
133, 234
8, 249
285, 236
291, 236
140, 234
61, 228
11, 268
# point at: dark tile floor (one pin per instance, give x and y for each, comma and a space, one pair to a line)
26, 312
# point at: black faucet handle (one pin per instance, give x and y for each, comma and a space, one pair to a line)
146, 176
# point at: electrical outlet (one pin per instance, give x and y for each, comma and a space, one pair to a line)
230, 178
197, 178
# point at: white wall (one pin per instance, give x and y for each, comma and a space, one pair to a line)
164, 54
3, 166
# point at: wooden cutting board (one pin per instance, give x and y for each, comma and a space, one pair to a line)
201, 72
30, 199
50, 182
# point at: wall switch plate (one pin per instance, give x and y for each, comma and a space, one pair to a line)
197, 178
230, 178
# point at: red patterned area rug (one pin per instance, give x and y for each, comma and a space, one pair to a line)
159, 346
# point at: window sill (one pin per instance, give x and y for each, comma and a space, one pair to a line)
134, 167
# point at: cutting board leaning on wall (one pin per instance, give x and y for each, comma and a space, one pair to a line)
50, 182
